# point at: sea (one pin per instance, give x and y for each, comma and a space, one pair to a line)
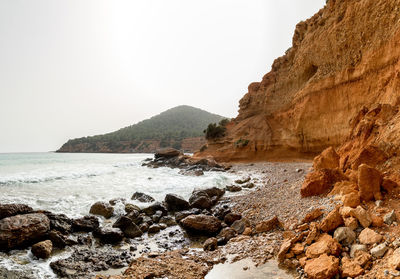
70, 183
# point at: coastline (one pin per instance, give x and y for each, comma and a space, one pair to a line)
277, 194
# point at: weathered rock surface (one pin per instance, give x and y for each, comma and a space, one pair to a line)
142, 197
102, 209
268, 225
19, 230
345, 235
368, 236
333, 69
42, 249
8, 210
210, 244
85, 261
331, 221
203, 224
85, 224
350, 268
369, 183
167, 153
109, 235
176, 203
323, 267
129, 228
325, 245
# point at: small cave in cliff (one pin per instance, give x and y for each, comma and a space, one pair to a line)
309, 72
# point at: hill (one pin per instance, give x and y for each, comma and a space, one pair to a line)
180, 127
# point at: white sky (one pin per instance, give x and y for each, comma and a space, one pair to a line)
74, 68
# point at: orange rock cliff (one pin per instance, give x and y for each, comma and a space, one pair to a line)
338, 85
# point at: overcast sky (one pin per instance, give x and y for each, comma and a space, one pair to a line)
74, 68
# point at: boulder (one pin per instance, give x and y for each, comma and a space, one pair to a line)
394, 260
214, 192
320, 182
344, 187
153, 208
168, 220
331, 221
57, 238
155, 228
350, 268
129, 228
8, 210
167, 153
298, 249
323, 267
351, 200
369, 183
379, 250
285, 247
328, 159
357, 247
325, 245
240, 225
362, 257
85, 224
231, 217
344, 235
142, 197
102, 209
210, 244
203, 224
157, 216
266, 226
59, 222
109, 235
362, 216
312, 215
376, 221
243, 180
368, 236
227, 234
351, 223
233, 188
201, 200
131, 207
43, 249
20, 230
313, 233
389, 218
176, 203
249, 185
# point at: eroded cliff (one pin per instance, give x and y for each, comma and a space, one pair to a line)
345, 59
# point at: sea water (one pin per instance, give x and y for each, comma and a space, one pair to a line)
70, 183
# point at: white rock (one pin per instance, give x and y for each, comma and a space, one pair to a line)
379, 250
389, 218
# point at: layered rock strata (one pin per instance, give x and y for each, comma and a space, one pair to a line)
343, 62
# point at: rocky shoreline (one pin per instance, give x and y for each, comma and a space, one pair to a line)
107, 240
262, 217
341, 234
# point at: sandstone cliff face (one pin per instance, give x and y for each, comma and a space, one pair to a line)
344, 60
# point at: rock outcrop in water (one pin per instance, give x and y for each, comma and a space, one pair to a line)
342, 66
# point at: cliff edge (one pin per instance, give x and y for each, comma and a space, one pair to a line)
344, 61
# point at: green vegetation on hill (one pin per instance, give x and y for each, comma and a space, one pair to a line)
169, 127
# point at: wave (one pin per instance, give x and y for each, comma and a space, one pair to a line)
33, 178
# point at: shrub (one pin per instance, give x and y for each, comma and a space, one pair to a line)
242, 142
215, 131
